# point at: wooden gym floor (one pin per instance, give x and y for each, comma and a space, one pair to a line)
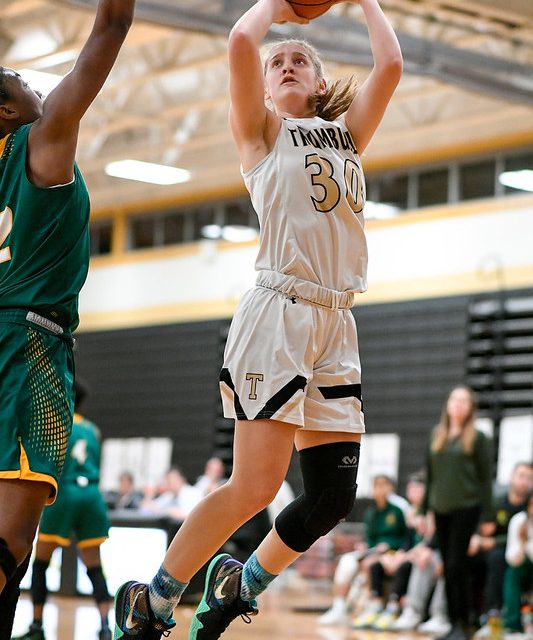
285, 614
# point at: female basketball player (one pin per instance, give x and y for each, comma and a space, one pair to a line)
459, 492
44, 255
291, 373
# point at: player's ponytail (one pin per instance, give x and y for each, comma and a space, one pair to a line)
337, 98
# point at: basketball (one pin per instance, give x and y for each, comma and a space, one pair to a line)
311, 8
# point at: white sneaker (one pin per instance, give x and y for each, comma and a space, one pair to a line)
482, 633
367, 618
436, 626
334, 615
408, 621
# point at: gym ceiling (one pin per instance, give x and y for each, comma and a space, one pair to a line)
467, 87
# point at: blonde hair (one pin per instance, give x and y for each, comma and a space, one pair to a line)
338, 95
468, 433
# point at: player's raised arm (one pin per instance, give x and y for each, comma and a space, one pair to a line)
248, 112
367, 109
53, 139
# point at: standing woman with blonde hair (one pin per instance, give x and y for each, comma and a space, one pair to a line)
291, 373
459, 492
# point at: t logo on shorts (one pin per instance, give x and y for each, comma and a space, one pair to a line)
254, 378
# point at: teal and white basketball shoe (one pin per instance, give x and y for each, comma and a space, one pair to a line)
134, 616
221, 602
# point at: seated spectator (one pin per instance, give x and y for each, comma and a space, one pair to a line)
519, 574
213, 477
426, 585
126, 497
385, 530
177, 501
395, 564
489, 551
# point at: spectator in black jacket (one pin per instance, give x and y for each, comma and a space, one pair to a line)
459, 492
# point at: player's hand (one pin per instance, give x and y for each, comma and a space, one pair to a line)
283, 12
522, 532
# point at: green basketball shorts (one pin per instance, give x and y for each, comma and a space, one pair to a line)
79, 512
37, 392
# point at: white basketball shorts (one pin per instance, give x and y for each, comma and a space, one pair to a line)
293, 360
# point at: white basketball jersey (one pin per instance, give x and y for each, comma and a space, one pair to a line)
309, 194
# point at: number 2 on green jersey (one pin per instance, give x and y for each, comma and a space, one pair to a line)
6, 222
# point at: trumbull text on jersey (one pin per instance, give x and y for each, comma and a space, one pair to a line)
321, 137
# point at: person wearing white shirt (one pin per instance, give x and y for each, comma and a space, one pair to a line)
519, 557
178, 500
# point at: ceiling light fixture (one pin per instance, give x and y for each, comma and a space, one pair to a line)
41, 81
230, 233
147, 172
522, 179
55, 59
380, 210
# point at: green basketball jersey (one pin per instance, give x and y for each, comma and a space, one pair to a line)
44, 238
83, 453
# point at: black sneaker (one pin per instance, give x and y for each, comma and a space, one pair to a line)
35, 632
457, 632
134, 616
221, 602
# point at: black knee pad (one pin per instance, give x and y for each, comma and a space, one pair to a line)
9, 598
39, 590
8, 562
329, 474
100, 592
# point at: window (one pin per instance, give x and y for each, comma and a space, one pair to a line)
174, 228
101, 237
202, 217
143, 232
452, 182
433, 187
476, 180
239, 214
516, 163
393, 190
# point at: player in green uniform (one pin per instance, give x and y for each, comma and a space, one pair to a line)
44, 254
79, 510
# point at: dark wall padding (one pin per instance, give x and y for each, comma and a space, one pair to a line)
163, 380
155, 381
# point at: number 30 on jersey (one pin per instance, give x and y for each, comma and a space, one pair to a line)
322, 176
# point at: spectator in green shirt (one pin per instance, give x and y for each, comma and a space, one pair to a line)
386, 533
459, 492
488, 552
385, 529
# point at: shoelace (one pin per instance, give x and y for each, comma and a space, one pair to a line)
246, 618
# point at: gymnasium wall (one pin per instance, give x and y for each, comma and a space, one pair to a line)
153, 321
441, 251
163, 380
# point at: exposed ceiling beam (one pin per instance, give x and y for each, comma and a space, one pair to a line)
342, 39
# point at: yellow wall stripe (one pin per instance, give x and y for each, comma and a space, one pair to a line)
429, 214
412, 289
